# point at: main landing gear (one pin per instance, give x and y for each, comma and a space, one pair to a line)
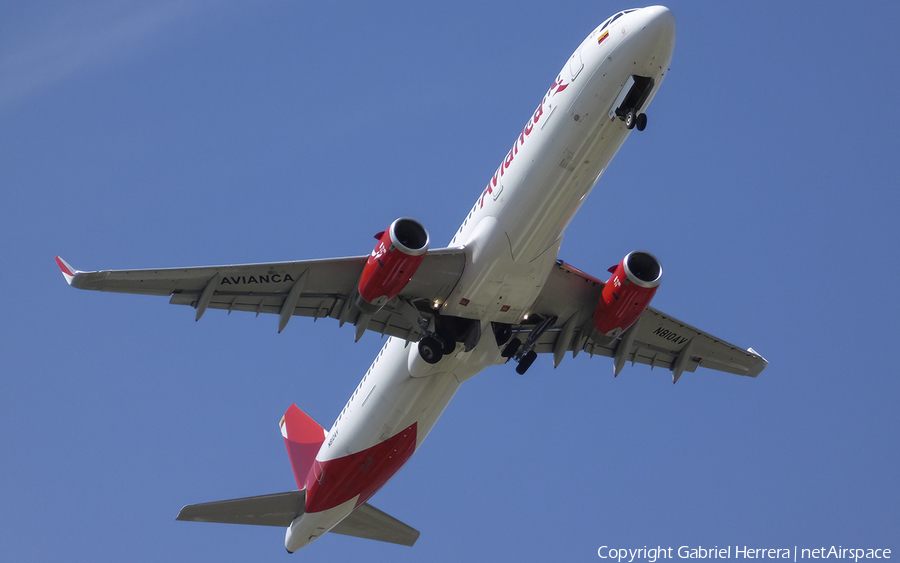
448, 331
434, 347
524, 358
631, 120
523, 354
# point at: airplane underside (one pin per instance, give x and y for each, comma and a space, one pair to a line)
498, 293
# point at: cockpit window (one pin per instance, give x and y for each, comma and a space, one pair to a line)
610, 20
615, 17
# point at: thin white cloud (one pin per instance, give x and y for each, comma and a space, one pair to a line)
83, 37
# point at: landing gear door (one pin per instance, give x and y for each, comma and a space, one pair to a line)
616, 109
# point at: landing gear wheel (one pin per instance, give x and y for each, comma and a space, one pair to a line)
641, 122
629, 119
526, 362
448, 345
511, 348
430, 348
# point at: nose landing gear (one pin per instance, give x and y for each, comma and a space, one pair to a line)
632, 120
630, 100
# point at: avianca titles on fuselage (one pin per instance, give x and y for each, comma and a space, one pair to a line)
497, 293
512, 237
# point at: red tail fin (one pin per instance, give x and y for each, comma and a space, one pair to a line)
303, 437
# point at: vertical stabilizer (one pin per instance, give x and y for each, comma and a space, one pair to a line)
303, 437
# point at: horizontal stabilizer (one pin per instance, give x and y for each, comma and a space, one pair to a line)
267, 510
369, 523
281, 509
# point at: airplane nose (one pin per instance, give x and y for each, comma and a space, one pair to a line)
654, 37
660, 22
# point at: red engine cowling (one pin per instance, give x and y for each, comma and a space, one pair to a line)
627, 293
396, 257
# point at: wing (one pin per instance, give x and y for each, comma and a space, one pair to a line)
656, 339
309, 288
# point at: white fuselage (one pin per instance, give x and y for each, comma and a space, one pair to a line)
511, 238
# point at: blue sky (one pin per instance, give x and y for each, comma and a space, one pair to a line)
150, 134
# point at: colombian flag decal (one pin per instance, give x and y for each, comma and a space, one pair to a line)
602, 37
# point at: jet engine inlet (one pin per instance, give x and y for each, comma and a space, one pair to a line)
643, 268
410, 236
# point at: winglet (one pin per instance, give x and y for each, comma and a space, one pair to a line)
68, 272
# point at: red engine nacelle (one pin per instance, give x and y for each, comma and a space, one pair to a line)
396, 257
627, 293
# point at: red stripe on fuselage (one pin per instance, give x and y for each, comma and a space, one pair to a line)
334, 482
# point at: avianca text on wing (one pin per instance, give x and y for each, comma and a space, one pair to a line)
652, 554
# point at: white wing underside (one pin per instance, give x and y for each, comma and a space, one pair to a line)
327, 288
656, 339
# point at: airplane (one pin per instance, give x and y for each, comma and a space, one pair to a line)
497, 294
